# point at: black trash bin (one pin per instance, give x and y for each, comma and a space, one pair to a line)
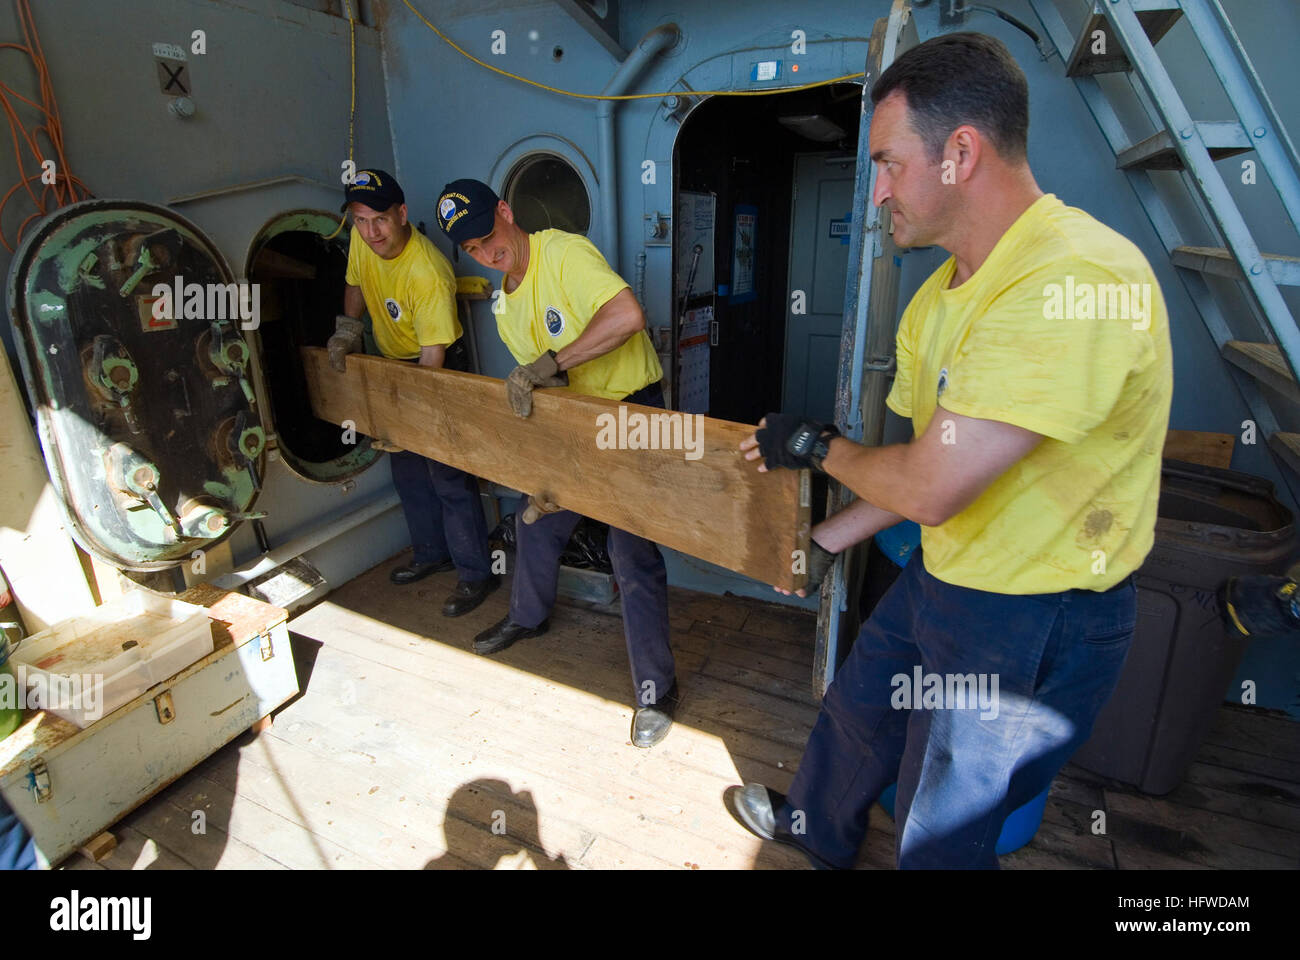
1212, 524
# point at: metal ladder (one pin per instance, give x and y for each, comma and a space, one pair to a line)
1120, 36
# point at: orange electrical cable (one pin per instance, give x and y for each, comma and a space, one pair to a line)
65, 187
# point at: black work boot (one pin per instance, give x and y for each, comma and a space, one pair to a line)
468, 595
505, 632
418, 571
650, 724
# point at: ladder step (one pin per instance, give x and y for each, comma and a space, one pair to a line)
1220, 262
1264, 362
1158, 153
1156, 20
1287, 448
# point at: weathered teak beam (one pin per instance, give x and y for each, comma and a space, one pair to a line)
705, 500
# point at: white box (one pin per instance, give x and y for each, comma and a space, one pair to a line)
127, 645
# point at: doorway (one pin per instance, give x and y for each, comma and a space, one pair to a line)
767, 349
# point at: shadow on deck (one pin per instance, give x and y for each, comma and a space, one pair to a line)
407, 750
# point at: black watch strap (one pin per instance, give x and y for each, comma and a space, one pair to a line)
822, 446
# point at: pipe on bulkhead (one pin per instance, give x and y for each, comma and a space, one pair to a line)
650, 46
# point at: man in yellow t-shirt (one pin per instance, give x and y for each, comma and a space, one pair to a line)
572, 322
1035, 365
407, 287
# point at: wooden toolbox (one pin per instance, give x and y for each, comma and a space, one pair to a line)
68, 785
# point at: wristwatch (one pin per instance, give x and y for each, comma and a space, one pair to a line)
813, 444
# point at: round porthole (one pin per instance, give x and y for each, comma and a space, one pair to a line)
546, 192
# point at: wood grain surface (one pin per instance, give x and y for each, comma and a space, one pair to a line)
705, 500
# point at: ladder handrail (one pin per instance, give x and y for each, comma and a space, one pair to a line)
1230, 61
1196, 161
1153, 204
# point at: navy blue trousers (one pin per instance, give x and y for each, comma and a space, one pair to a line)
17, 852
962, 763
642, 583
443, 513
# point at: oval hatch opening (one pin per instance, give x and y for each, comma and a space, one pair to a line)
301, 270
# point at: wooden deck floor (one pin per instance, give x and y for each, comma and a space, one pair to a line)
406, 750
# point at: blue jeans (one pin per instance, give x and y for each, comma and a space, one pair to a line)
443, 514
1056, 659
17, 851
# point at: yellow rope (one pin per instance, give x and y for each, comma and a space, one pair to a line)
628, 96
541, 86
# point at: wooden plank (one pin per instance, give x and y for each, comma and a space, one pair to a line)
1253, 765
532, 722
1265, 363
1198, 446
1201, 836
579, 786
100, 847
1254, 730
134, 851
717, 507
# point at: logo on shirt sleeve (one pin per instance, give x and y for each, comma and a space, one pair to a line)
943, 382
554, 321
394, 310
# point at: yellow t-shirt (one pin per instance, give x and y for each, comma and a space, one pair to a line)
566, 283
411, 299
1044, 336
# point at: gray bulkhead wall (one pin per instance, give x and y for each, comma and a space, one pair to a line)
271, 96
452, 118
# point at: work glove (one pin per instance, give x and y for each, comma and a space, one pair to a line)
537, 506
820, 561
385, 446
349, 337
542, 372
786, 440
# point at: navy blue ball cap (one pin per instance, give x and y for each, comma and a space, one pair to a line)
377, 189
467, 210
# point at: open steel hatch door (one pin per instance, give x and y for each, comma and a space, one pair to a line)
866, 347
145, 410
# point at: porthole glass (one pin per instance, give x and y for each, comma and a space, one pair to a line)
546, 193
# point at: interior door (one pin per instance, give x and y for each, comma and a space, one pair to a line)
819, 256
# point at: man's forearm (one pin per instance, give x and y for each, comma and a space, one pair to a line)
353, 301
853, 524
433, 356
613, 325
884, 476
